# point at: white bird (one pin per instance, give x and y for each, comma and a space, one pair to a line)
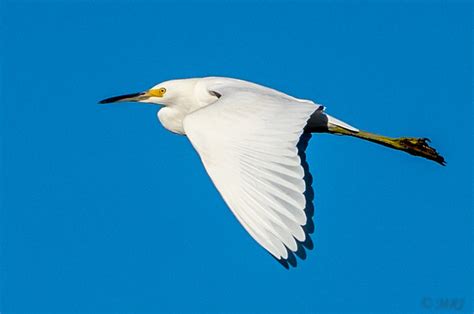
247, 137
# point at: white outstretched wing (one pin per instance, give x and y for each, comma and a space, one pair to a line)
247, 142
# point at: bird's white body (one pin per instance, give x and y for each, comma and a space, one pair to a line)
247, 136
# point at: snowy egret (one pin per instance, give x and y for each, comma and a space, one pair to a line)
249, 138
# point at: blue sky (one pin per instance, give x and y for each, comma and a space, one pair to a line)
104, 210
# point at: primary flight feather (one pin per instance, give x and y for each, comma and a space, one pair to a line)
247, 136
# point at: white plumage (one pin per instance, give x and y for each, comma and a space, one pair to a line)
247, 136
249, 150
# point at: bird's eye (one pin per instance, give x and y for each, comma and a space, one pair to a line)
162, 90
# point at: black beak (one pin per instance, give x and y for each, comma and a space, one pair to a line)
128, 97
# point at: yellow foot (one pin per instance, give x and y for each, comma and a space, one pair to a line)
420, 147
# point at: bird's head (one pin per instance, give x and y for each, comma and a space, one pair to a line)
165, 93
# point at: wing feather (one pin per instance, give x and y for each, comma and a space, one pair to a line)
247, 142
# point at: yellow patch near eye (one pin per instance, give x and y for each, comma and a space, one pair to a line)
157, 92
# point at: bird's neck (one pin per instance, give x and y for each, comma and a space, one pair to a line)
172, 119
195, 96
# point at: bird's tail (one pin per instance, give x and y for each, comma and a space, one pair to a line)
411, 145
